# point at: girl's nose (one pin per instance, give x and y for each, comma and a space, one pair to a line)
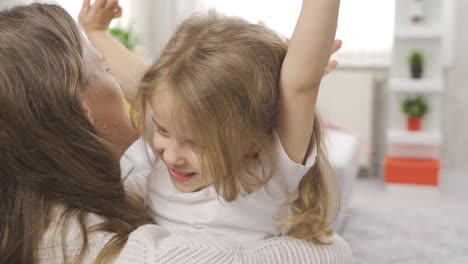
173, 154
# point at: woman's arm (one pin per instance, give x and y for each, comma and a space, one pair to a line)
301, 73
286, 249
124, 65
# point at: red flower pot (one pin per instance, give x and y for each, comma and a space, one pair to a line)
414, 123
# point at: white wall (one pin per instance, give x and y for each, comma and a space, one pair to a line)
455, 102
346, 101
10, 3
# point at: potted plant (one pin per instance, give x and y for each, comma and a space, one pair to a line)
125, 36
416, 62
414, 108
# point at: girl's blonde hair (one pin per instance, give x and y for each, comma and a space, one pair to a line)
51, 155
223, 73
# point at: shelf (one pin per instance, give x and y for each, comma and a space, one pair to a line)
419, 33
429, 38
403, 137
401, 85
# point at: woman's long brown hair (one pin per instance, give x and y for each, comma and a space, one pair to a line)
51, 156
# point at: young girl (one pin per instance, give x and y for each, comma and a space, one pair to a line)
235, 127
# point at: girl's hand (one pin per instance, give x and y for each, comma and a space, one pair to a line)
332, 64
97, 17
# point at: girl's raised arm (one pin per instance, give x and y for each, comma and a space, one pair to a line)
124, 64
306, 60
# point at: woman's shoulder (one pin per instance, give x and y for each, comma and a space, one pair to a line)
286, 249
153, 244
66, 237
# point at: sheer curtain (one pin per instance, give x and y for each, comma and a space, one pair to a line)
160, 19
365, 26
10, 3
155, 21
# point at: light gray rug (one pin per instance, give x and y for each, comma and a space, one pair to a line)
417, 236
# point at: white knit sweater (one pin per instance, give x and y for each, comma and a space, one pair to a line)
152, 244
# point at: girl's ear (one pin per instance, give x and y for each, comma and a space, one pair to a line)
253, 149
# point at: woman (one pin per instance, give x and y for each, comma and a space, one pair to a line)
61, 195
57, 171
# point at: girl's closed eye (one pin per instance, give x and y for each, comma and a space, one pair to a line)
161, 131
191, 143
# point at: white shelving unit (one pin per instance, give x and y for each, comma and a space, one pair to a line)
418, 33
426, 37
401, 137
404, 85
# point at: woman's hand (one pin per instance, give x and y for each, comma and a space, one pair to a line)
97, 17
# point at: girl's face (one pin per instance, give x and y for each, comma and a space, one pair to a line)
174, 145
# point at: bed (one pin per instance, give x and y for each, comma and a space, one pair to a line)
343, 151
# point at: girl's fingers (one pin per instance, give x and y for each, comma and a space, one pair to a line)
86, 5
330, 67
336, 45
111, 4
99, 3
118, 12
84, 9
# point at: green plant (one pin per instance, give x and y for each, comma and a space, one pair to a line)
416, 59
415, 107
126, 37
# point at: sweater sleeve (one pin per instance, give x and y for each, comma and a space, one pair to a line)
285, 249
152, 244
53, 245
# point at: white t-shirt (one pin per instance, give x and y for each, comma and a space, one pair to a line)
154, 244
250, 217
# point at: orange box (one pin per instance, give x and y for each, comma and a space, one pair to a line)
412, 171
